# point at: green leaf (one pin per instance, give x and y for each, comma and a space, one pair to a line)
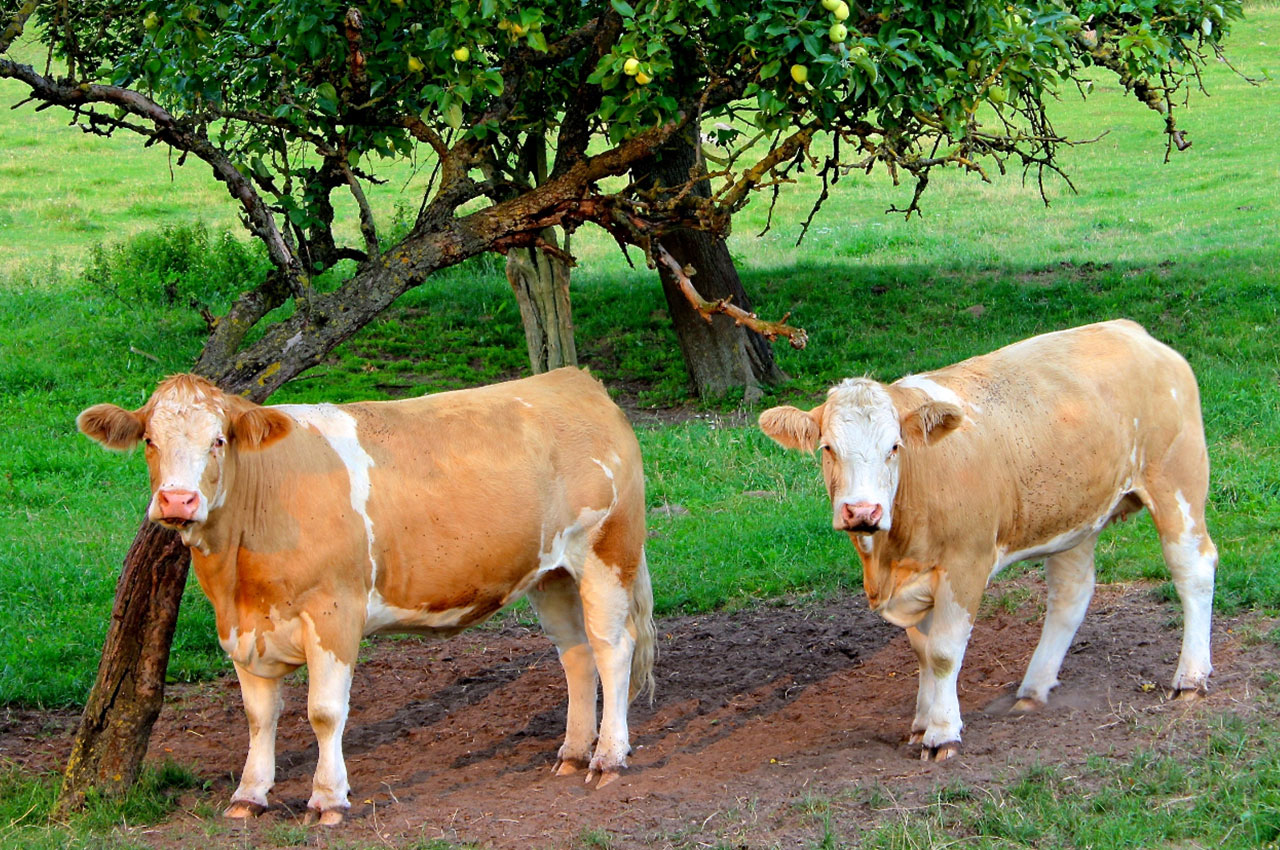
453, 115
623, 8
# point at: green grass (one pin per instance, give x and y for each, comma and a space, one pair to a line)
26, 805
1227, 796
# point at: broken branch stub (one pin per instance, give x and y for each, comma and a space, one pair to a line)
797, 337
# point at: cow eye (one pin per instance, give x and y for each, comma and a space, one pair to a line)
146, 441
219, 442
893, 452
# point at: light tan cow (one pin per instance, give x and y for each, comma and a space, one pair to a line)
311, 526
943, 479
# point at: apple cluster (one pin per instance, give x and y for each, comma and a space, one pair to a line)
839, 14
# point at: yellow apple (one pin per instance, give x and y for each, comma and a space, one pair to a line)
631, 67
462, 54
415, 65
841, 11
643, 79
799, 73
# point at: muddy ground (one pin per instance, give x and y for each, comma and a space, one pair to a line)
757, 712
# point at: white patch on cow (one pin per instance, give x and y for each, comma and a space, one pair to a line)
522, 401
328, 704
1060, 543
1192, 564
1173, 391
910, 603
270, 653
935, 391
568, 547
383, 616
339, 429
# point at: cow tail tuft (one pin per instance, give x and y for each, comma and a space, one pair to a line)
640, 624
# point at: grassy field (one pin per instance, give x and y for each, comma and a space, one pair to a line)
1189, 249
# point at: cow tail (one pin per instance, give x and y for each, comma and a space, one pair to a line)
640, 624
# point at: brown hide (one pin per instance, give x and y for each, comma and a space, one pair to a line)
466, 491
1048, 448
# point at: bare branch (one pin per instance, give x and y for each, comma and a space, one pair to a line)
798, 337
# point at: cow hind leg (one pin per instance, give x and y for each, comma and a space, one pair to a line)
606, 606
559, 607
262, 704
1070, 577
1193, 560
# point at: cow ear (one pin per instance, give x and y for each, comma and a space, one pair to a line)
112, 426
792, 427
931, 421
258, 427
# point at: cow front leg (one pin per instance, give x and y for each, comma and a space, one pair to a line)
927, 685
559, 609
328, 699
946, 631
262, 703
1070, 577
606, 605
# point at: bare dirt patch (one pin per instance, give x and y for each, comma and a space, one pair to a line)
757, 711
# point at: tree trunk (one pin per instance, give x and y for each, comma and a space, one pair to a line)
720, 356
540, 282
126, 698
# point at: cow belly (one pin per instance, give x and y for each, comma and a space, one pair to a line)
564, 550
270, 653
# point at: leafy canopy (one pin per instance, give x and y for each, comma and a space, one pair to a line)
519, 111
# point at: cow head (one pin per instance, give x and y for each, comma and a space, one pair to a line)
861, 435
190, 429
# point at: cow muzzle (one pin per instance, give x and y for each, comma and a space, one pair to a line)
176, 507
859, 516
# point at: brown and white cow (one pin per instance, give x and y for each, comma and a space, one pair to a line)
943, 479
311, 526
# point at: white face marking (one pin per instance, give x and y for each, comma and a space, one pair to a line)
339, 429
184, 435
859, 445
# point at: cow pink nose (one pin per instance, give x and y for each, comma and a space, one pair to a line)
860, 516
177, 504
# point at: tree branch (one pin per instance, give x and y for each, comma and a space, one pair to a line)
798, 337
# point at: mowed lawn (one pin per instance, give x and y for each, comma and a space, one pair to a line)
1189, 249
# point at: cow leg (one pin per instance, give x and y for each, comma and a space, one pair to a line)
559, 609
1192, 559
328, 699
606, 605
262, 704
946, 632
1070, 577
925, 693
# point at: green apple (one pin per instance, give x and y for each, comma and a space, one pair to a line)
799, 73
415, 65
830, 5
631, 67
838, 32
462, 54
841, 11
151, 21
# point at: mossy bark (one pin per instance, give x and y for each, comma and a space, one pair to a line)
115, 727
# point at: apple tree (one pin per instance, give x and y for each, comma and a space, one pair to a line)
293, 103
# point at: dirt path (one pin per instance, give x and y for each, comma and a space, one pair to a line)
756, 711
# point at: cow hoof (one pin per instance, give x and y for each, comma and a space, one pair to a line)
329, 817
916, 737
1188, 694
241, 809
568, 766
1026, 705
942, 752
607, 777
